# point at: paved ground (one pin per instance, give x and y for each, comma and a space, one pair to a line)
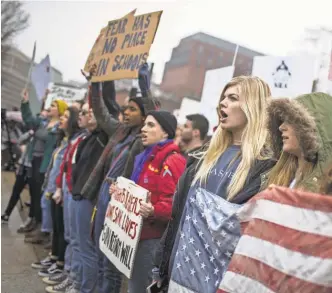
16, 256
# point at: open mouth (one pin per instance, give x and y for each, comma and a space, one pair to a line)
284, 137
223, 115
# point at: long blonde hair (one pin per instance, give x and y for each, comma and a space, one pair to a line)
284, 171
256, 94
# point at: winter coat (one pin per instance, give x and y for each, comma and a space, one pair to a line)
311, 117
85, 159
159, 175
35, 123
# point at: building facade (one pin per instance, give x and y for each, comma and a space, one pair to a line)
14, 72
184, 73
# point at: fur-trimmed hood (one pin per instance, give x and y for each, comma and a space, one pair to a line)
311, 116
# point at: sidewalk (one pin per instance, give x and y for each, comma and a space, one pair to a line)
16, 256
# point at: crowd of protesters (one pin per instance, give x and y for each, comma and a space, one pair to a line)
73, 156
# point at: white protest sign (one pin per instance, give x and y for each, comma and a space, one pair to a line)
214, 82
288, 76
188, 106
122, 227
68, 94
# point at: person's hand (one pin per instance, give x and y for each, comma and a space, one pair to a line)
92, 72
31, 132
113, 188
109, 211
25, 95
57, 196
147, 209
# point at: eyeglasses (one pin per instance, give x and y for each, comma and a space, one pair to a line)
83, 112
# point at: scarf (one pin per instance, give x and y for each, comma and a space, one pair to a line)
141, 159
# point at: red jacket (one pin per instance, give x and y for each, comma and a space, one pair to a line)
67, 163
160, 175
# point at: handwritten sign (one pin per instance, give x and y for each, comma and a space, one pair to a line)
65, 93
122, 227
123, 46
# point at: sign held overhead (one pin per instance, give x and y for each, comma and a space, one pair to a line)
123, 46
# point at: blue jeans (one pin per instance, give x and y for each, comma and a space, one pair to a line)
47, 224
88, 253
75, 274
109, 278
67, 225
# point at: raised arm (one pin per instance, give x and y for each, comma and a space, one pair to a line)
28, 118
105, 120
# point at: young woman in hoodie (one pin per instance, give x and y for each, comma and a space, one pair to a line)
229, 173
301, 140
157, 169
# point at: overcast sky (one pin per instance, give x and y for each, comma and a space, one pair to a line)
66, 30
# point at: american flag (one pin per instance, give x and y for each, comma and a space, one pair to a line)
286, 244
208, 237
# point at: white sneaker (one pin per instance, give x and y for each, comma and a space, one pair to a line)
26, 223
72, 289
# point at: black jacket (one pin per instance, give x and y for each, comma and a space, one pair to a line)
163, 254
87, 155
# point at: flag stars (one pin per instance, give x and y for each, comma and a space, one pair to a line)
186, 259
192, 200
188, 218
230, 225
203, 265
228, 254
216, 271
207, 279
223, 233
182, 235
212, 258
184, 247
200, 233
218, 243
191, 240
194, 221
217, 252
206, 246
178, 265
192, 272
197, 253
223, 263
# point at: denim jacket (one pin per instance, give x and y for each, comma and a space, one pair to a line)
54, 168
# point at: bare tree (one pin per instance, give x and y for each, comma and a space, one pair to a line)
13, 21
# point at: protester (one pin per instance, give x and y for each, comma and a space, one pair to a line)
231, 172
302, 144
194, 133
84, 160
21, 180
40, 152
114, 162
157, 169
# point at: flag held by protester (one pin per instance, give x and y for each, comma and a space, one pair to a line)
41, 77
286, 244
207, 239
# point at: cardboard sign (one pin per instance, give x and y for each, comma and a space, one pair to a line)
122, 228
65, 93
123, 46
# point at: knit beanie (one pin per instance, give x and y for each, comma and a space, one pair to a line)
166, 120
62, 106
